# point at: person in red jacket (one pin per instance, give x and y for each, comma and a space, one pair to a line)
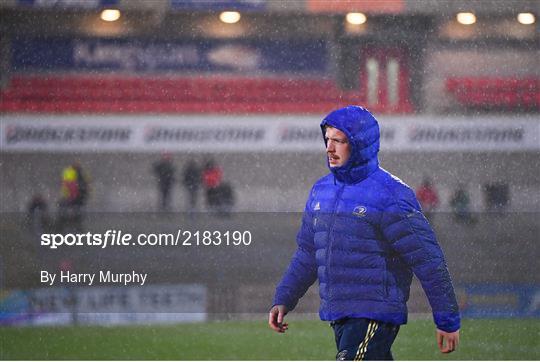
428, 199
212, 176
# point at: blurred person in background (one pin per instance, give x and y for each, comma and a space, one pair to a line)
497, 197
191, 182
363, 235
82, 185
74, 195
38, 214
428, 198
226, 199
69, 186
212, 176
164, 171
460, 203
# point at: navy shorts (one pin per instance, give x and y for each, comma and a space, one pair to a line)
363, 339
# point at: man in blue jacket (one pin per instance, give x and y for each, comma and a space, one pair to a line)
363, 235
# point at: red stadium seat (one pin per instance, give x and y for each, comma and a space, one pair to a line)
221, 94
507, 93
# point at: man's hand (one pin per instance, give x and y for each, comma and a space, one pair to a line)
447, 341
275, 318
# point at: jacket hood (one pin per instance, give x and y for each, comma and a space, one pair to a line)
362, 131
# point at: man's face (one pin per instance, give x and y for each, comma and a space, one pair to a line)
337, 147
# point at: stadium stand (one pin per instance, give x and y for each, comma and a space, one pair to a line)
509, 93
114, 94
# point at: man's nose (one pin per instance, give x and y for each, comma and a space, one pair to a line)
329, 146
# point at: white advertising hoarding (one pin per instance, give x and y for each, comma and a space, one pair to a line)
192, 133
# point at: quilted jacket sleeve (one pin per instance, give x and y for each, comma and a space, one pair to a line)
412, 237
302, 271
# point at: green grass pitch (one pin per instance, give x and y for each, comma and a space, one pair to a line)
252, 340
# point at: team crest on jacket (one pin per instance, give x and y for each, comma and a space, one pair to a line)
360, 211
317, 206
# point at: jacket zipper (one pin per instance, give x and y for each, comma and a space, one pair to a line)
386, 280
329, 246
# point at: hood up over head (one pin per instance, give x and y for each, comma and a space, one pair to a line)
362, 131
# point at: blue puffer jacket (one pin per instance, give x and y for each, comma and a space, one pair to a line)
363, 235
